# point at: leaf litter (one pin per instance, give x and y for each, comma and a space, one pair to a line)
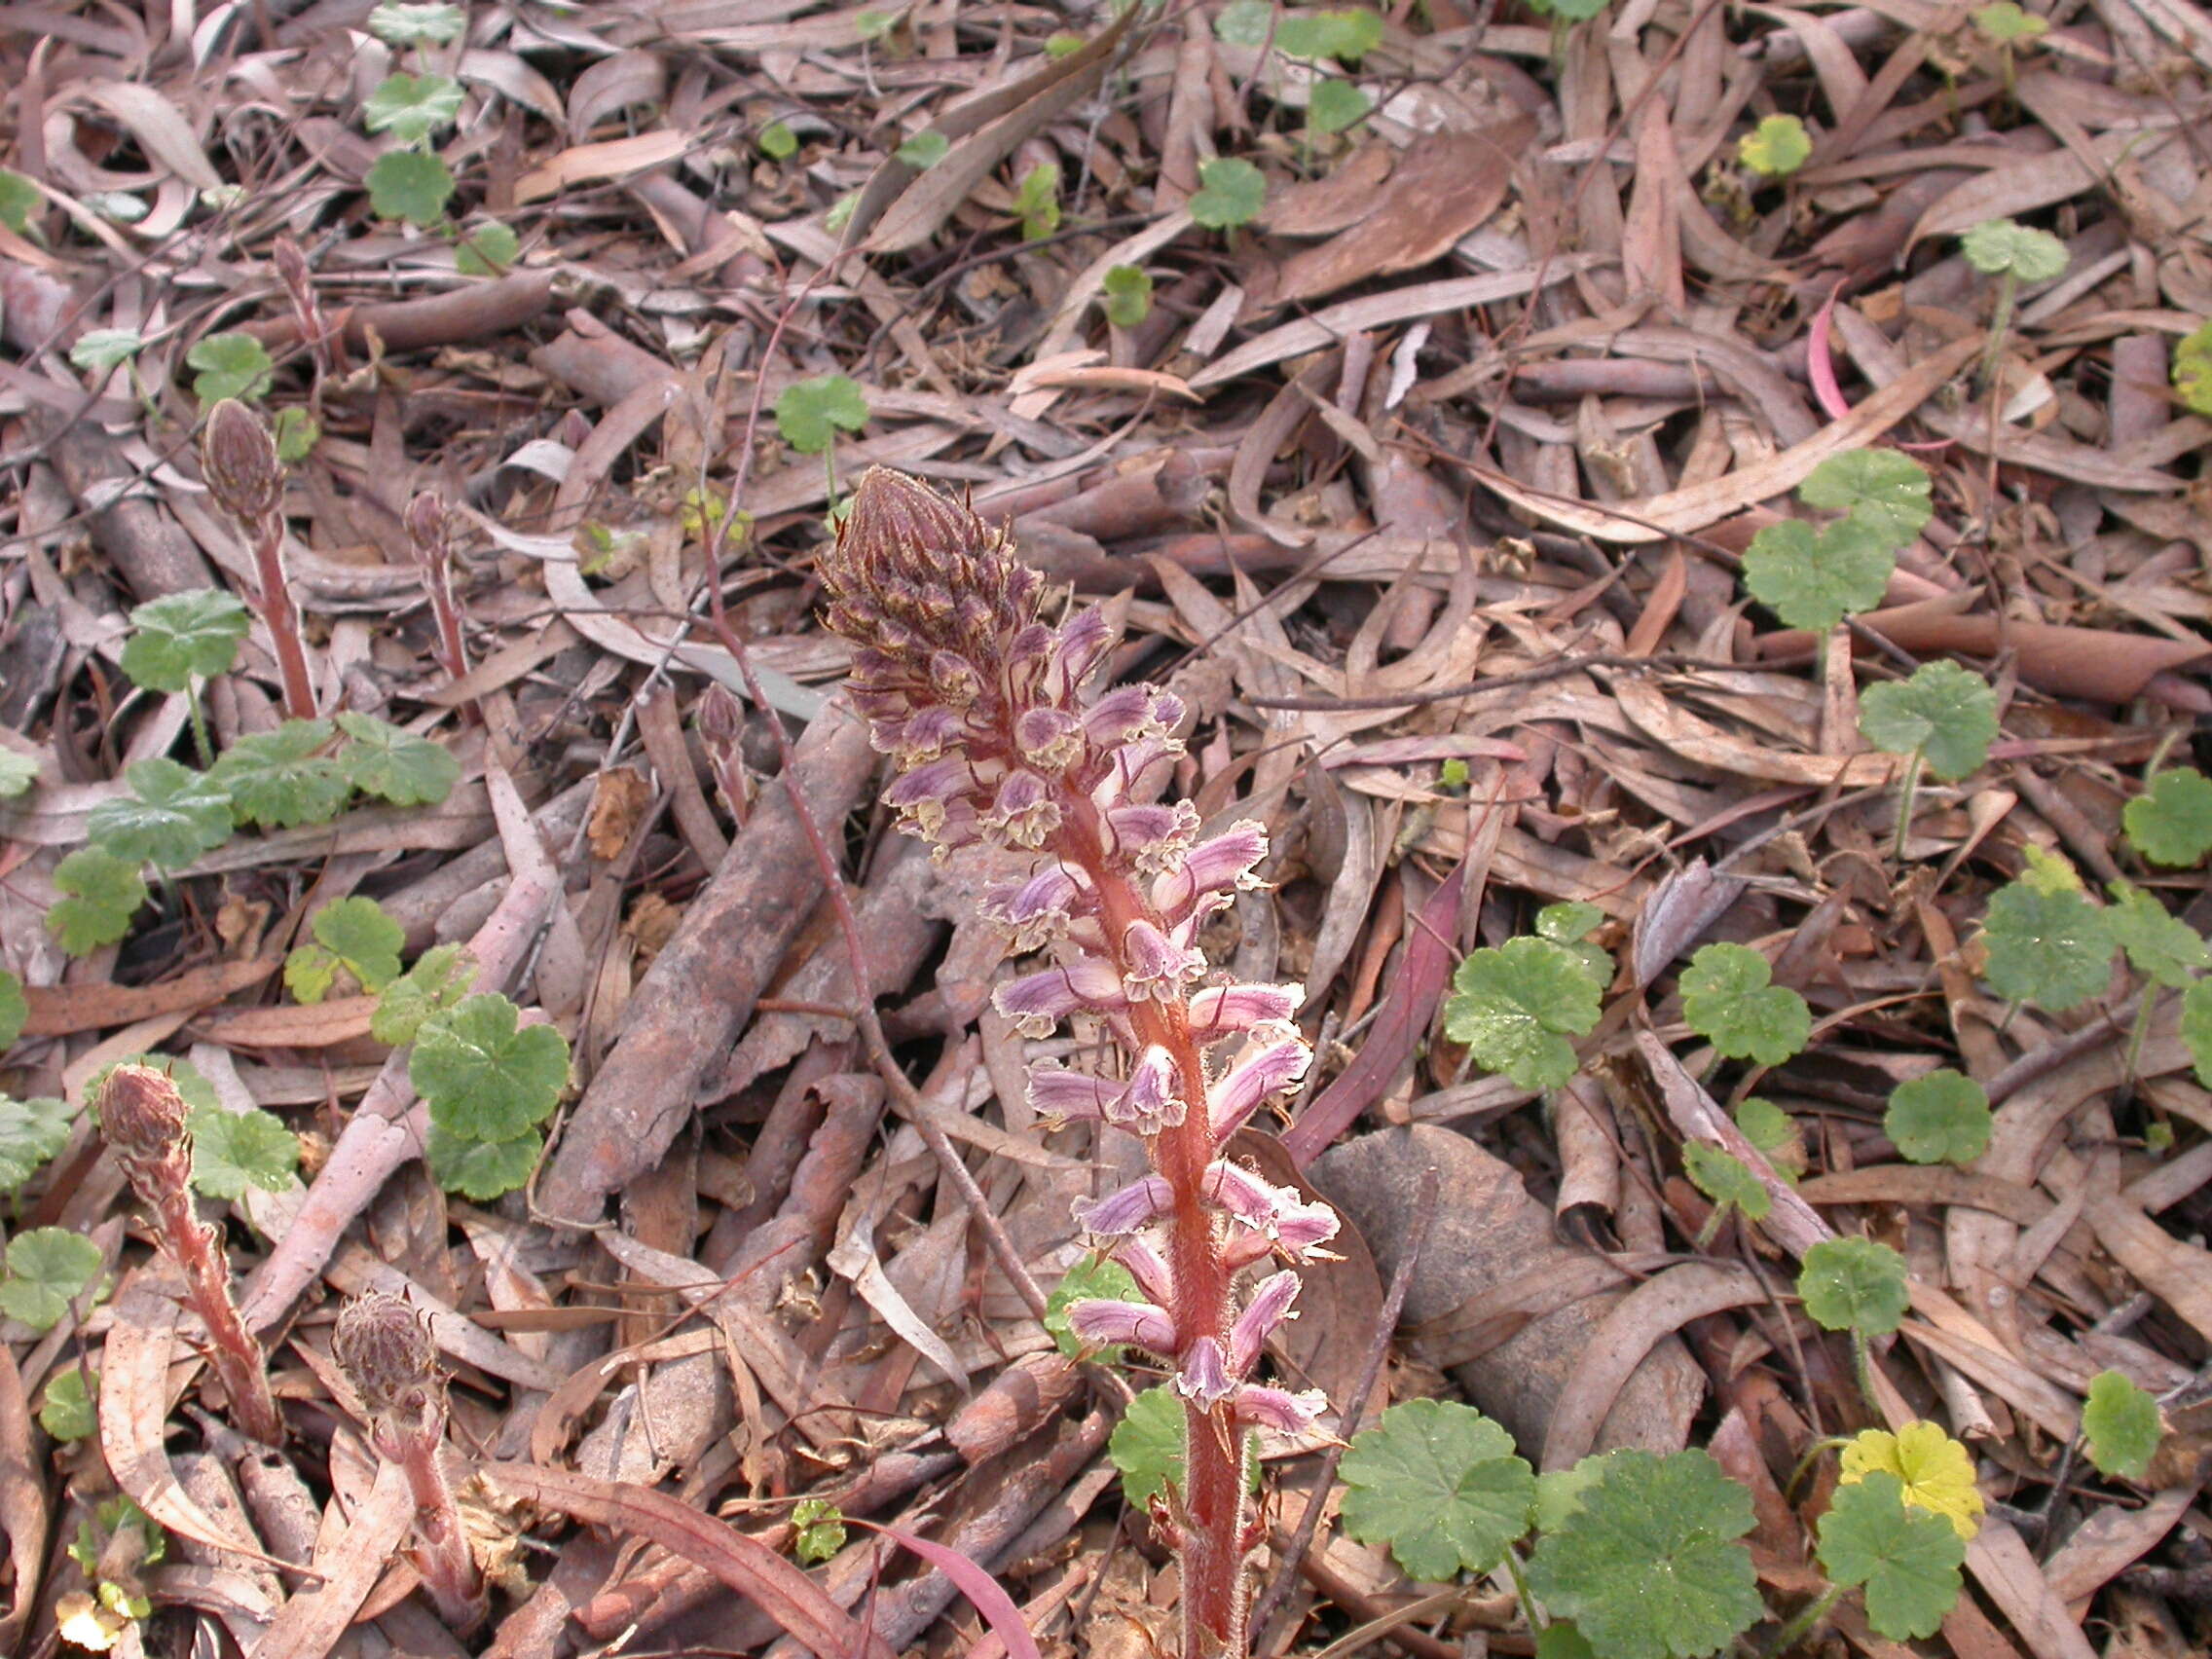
1438, 395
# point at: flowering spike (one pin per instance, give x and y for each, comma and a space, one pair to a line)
982, 705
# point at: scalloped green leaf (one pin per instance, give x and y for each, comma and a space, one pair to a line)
1727, 1179
1944, 712
1813, 578
19, 198
487, 249
1513, 1006
230, 365
284, 777
1147, 1446
2049, 947
1854, 1284
438, 980
1998, 248
810, 412
1906, 1559
481, 1170
1887, 492
48, 1268
1941, 1117
1650, 1563
1336, 106
1441, 1485
2170, 822
1347, 35
777, 141
2160, 946
1728, 1001
17, 772
1777, 147
1127, 291
101, 894
1776, 1135
411, 107
401, 24
1230, 192
100, 349
2192, 368
818, 1530
2006, 24
66, 1410
232, 1150
13, 1010
171, 815
31, 1132
486, 1076
413, 185
1094, 1277
394, 764
2120, 1426
185, 635
353, 936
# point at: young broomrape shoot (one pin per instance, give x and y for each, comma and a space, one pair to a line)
1942, 1118
1728, 1001
429, 536
381, 1345
144, 1121
1515, 1006
237, 458
1648, 1562
1943, 719
1906, 1559
978, 699
1935, 1472
2120, 1426
1440, 1483
2048, 945
2013, 254
1728, 1181
48, 1268
1776, 148
1813, 578
2170, 822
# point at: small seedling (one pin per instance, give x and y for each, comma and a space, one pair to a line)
2120, 1426
2046, 944
145, 1121
381, 1344
1037, 201
182, 640
113, 1549
2170, 822
1129, 295
67, 1411
353, 936
1943, 719
818, 1530
1854, 1285
2009, 29
1440, 1483
777, 141
17, 772
1728, 1181
2013, 254
2193, 369
1728, 1001
1231, 193
1515, 1006
1777, 147
1941, 1117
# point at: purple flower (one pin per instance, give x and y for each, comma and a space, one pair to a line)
1100, 1323
1037, 1003
1263, 1316
1233, 1098
1137, 1206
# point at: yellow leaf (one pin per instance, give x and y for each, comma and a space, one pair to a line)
1938, 1472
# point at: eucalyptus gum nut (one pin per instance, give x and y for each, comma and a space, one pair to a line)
1488, 1239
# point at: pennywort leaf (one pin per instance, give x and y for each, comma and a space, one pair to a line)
1777, 147
1879, 488
1906, 1559
486, 1077
811, 413
1094, 1276
481, 1170
170, 817
1813, 578
48, 1268
1728, 1001
1941, 1117
924, 150
2000, 247
353, 936
399, 24
2170, 822
1727, 1179
410, 185
231, 365
1854, 1284
440, 979
67, 1411
13, 1010
2160, 946
101, 892
1650, 1563
777, 141
232, 1150
1037, 201
2006, 23
1147, 1446
284, 777
818, 1530
411, 107
31, 1132
19, 198
487, 249
1945, 714
2192, 368
381, 759
100, 349
1776, 1135
1440, 1483
1513, 1006
1935, 1472
185, 635
1231, 193
1336, 106
17, 772
2048, 946
1127, 298
2120, 1424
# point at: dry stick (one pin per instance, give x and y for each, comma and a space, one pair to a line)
388, 1127
142, 1118
912, 1107
1353, 1404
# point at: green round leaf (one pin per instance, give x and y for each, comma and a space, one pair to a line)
183, 635
13, 1010
31, 1132
102, 894
232, 1150
2196, 1028
818, 1530
2160, 946
282, 778
1813, 578
1775, 1133
17, 772
1440, 1483
396, 766
2192, 368
2006, 23
1945, 713
1884, 491
1231, 193
1854, 1284
776, 142
231, 365
399, 24
1942, 1118
352, 935
1094, 1276
1728, 1001
2050, 948
440, 979
486, 1078
1996, 247
1129, 295
489, 249
1908, 1558
1147, 1446
1515, 1005
1777, 147
411, 184
171, 816
67, 1411
48, 1268
1726, 1179
2121, 1427
1347, 35
411, 107
924, 150
481, 1170
295, 433
810, 412
1651, 1566
98, 350
19, 198
2170, 822
1336, 105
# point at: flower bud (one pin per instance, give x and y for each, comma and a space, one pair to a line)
238, 457
142, 1118
428, 529
388, 1357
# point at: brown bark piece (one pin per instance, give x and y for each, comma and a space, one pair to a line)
701, 988
1488, 1232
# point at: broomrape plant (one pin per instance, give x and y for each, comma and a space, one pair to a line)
980, 701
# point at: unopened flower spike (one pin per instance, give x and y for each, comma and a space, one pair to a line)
982, 705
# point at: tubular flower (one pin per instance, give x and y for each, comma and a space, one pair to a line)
984, 707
